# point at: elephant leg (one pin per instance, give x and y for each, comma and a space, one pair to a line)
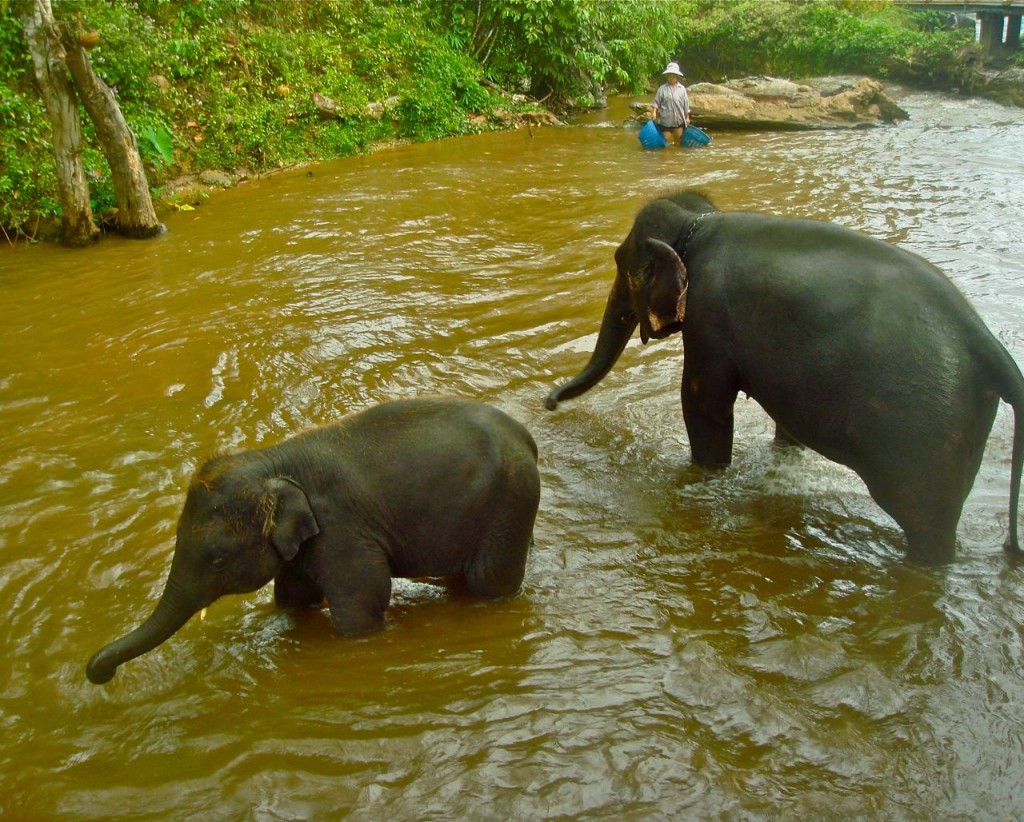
924, 487
294, 589
933, 547
784, 438
708, 397
358, 589
925, 494
498, 565
929, 526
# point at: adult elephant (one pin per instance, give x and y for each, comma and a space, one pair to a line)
862, 351
417, 488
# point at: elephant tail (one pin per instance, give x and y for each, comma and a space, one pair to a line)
1010, 383
1012, 545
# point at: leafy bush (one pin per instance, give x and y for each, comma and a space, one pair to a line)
561, 48
803, 38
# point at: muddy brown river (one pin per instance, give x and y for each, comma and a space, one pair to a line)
748, 644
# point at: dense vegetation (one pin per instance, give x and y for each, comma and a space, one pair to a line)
807, 39
225, 84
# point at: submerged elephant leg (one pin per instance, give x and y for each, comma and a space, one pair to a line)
924, 493
931, 547
922, 477
294, 589
708, 400
928, 521
497, 566
926, 497
358, 589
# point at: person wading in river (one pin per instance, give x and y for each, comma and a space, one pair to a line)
672, 105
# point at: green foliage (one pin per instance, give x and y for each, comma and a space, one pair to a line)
156, 143
561, 48
803, 38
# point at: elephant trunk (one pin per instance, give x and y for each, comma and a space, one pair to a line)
616, 328
171, 613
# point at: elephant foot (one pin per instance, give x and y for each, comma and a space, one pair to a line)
349, 623
932, 548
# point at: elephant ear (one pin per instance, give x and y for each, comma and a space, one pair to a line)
290, 521
665, 294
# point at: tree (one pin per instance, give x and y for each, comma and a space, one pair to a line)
59, 51
77, 225
563, 48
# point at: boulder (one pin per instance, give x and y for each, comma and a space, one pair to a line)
1006, 87
377, 110
326, 108
770, 103
218, 179
518, 119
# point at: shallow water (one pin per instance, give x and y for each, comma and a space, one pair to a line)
731, 645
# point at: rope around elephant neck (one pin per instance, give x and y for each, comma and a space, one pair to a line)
693, 227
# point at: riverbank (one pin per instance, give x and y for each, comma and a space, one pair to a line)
751, 104
186, 192
232, 92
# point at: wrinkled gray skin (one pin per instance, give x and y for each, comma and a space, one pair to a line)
418, 488
862, 351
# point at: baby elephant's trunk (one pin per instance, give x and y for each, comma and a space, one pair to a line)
170, 614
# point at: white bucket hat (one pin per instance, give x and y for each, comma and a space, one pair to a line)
673, 68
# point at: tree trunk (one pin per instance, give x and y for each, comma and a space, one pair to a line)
77, 226
135, 214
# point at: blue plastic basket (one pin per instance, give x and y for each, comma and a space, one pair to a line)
650, 137
694, 136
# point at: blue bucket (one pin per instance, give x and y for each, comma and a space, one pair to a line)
650, 137
694, 136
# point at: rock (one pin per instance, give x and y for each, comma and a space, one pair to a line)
771, 103
216, 178
514, 119
377, 110
326, 108
1007, 87
539, 118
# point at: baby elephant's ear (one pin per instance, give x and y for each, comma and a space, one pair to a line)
290, 521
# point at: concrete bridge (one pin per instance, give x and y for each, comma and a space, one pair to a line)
998, 20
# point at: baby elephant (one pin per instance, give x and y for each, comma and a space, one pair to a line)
416, 488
